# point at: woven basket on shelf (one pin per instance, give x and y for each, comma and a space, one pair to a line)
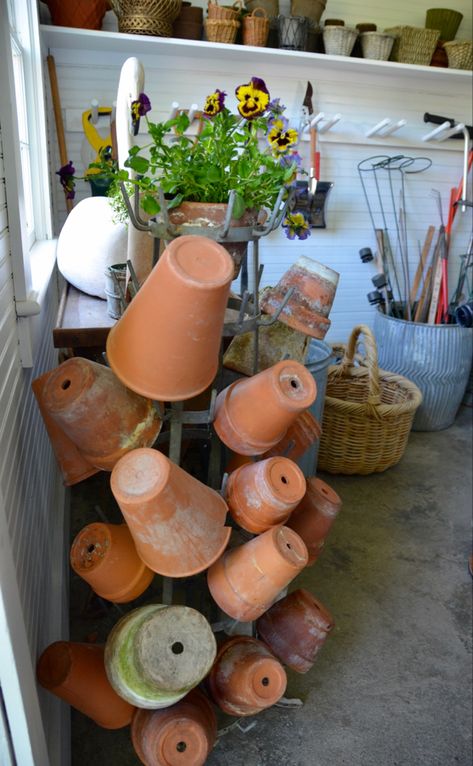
338, 40
256, 28
459, 54
413, 45
221, 30
445, 20
368, 413
224, 12
376, 45
146, 17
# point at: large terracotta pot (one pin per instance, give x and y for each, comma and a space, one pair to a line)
177, 522
246, 678
295, 629
314, 516
84, 14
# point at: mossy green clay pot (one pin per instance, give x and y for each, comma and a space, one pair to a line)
156, 654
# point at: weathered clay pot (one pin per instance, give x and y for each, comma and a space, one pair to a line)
262, 495
314, 516
303, 432
156, 654
247, 579
76, 673
105, 556
309, 306
183, 300
72, 464
102, 417
246, 678
253, 414
182, 734
295, 629
177, 522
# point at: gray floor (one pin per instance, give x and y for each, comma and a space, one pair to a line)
392, 685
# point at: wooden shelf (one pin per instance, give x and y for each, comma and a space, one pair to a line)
82, 321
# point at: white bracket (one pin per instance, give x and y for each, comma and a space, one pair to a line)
385, 127
321, 122
30, 307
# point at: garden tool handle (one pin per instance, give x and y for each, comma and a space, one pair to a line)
61, 139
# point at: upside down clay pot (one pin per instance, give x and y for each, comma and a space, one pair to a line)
295, 629
247, 579
177, 522
76, 673
105, 556
156, 654
183, 301
246, 678
314, 516
181, 735
102, 417
303, 432
262, 495
253, 414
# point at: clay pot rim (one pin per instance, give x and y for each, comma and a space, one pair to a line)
50, 680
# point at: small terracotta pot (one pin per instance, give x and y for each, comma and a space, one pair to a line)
247, 579
72, 464
177, 522
246, 678
253, 414
183, 300
314, 516
182, 734
76, 674
262, 495
105, 556
309, 306
304, 431
156, 654
102, 417
295, 629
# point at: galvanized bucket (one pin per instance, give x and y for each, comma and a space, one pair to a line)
319, 356
115, 285
437, 358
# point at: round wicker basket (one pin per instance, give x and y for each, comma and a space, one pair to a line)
413, 45
146, 17
224, 12
221, 30
459, 54
256, 28
376, 45
338, 40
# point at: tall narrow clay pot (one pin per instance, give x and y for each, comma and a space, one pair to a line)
76, 673
156, 654
314, 516
262, 495
295, 629
183, 734
177, 522
102, 417
246, 678
253, 414
183, 301
105, 556
247, 579
303, 432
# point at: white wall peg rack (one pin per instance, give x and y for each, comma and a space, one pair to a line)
385, 127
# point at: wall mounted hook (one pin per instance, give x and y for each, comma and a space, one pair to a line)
385, 128
331, 121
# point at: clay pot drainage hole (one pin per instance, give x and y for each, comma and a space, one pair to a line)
294, 383
181, 747
65, 384
265, 681
91, 548
177, 648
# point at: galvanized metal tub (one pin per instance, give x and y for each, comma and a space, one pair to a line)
319, 356
437, 358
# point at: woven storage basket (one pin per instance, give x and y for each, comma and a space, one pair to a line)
413, 45
223, 12
256, 28
146, 17
376, 45
459, 54
338, 40
368, 413
221, 30
445, 20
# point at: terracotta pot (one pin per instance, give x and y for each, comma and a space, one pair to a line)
295, 629
177, 522
303, 432
76, 674
182, 734
253, 414
72, 464
105, 556
84, 14
247, 579
156, 654
102, 417
309, 306
183, 300
262, 495
314, 516
236, 461
246, 678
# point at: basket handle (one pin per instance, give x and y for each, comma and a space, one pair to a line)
238, 5
262, 10
374, 391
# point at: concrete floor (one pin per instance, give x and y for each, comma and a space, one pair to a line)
392, 685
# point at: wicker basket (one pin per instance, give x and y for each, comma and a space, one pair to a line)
338, 40
444, 19
459, 54
221, 30
413, 45
368, 413
376, 45
146, 17
223, 12
256, 28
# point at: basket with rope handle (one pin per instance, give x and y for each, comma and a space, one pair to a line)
224, 12
368, 413
256, 28
221, 30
